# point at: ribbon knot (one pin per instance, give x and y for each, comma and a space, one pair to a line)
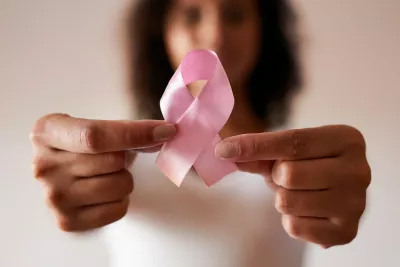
198, 120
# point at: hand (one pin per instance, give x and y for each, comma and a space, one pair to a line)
320, 176
82, 164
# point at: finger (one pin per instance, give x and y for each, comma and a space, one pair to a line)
312, 143
45, 166
310, 174
320, 204
262, 167
93, 217
85, 165
319, 231
259, 167
98, 136
101, 189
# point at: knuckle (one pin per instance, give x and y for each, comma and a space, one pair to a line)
66, 223
366, 175
349, 235
126, 183
55, 197
292, 227
356, 146
117, 160
352, 206
294, 143
285, 174
356, 140
41, 166
89, 137
357, 134
36, 137
359, 206
113, 214
122, 209
253, 150
130, 157
325, 246
40, 127
282, 202
361, 174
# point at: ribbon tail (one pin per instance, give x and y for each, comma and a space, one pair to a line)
172, 165
210, 168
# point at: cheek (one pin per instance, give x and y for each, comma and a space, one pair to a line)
249, 49
178, 43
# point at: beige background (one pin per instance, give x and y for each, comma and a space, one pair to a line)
66, 56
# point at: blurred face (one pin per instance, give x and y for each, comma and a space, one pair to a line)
231, 28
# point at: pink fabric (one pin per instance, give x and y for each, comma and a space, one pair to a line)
198, 120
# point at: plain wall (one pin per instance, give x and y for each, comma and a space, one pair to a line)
67, 56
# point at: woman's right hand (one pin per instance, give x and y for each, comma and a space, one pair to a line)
83, 165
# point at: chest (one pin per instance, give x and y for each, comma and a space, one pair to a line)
233, 223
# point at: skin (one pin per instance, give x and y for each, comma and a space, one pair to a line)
320, 175
83, 165
232, 30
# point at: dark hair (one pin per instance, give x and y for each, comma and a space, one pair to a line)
273, 80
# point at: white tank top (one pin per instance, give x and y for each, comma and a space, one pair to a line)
231, 224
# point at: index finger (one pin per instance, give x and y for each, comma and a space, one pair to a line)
98, 136
311, 143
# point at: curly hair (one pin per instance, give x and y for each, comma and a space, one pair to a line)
273, 80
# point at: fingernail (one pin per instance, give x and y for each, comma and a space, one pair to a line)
163, 132
227, 150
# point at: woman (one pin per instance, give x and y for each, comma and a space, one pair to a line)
317, 177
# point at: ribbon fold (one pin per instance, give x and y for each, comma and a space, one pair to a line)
198, 120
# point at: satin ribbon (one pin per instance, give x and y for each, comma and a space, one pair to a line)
198, 120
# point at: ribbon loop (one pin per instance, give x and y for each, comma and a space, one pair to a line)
198, 120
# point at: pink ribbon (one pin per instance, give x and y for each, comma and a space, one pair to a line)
198, 120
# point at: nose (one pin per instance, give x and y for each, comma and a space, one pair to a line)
212, 34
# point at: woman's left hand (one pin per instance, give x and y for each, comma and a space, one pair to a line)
320, 176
